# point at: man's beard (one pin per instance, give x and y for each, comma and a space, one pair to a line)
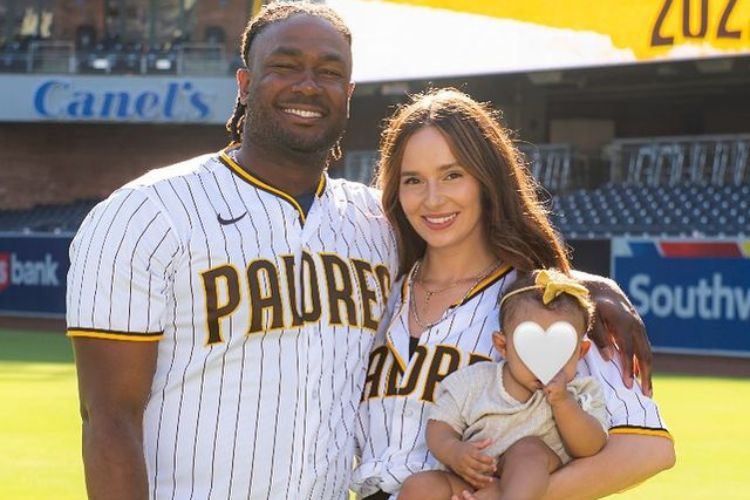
264, 128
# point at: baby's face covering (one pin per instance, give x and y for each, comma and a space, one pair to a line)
545, 351
540, 342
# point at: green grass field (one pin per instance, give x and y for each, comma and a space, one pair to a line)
40, 431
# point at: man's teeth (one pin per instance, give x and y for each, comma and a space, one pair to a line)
440, 220
303, 113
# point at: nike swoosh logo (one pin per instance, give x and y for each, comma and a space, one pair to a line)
226, 222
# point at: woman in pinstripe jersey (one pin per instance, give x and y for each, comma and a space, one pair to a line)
467, 219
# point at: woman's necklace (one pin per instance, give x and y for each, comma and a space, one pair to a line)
429, 293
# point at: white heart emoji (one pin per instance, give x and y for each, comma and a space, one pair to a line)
545, 352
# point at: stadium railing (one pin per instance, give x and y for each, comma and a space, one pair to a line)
123, 58
556, 166
51, 57
709, 159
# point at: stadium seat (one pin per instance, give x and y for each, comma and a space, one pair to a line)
46, 218
682, 210
161, 59
14, 57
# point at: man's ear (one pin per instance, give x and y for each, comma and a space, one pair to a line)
243, 84
500, 342
585, 346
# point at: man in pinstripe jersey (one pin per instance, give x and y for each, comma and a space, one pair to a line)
222, 309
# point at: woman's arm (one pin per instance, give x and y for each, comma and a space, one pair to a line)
625, 461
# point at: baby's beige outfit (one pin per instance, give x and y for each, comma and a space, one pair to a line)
475, 404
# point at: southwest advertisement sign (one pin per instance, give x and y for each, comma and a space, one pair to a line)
33, 271
694, 296
134, 99
412, 39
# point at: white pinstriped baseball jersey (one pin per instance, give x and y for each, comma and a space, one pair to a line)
399, 390
252, 396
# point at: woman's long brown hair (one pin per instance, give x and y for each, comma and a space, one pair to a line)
515, 221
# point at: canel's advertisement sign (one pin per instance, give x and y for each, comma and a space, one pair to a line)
33, 270
129, 99
694, 296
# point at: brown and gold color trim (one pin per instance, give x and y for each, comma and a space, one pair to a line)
487, 282
248, 177
642, 431
490, 280
115, 335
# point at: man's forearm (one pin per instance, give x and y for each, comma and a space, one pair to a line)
114, 462
625, 461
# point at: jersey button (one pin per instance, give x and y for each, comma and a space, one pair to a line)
409, 413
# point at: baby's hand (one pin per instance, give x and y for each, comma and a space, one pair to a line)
556, 390
468, 461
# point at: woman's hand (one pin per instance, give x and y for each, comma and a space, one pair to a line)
619, 329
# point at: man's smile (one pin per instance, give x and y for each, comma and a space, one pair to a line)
303, 113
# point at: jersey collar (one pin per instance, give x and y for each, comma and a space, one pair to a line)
230, 163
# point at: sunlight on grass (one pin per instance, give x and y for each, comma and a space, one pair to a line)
40, 434
708, 419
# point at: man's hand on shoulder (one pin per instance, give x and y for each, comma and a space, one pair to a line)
619, 330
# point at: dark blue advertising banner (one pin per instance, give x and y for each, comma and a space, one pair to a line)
694, 296
33, 271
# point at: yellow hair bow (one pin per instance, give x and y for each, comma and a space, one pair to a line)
554, 283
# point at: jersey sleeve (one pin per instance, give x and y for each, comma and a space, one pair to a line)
629, 411
588, 392
120, 270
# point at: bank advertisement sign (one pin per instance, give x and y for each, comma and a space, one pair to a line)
33, 270
694, 296
133, 99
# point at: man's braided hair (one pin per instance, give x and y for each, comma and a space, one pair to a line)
269, 14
